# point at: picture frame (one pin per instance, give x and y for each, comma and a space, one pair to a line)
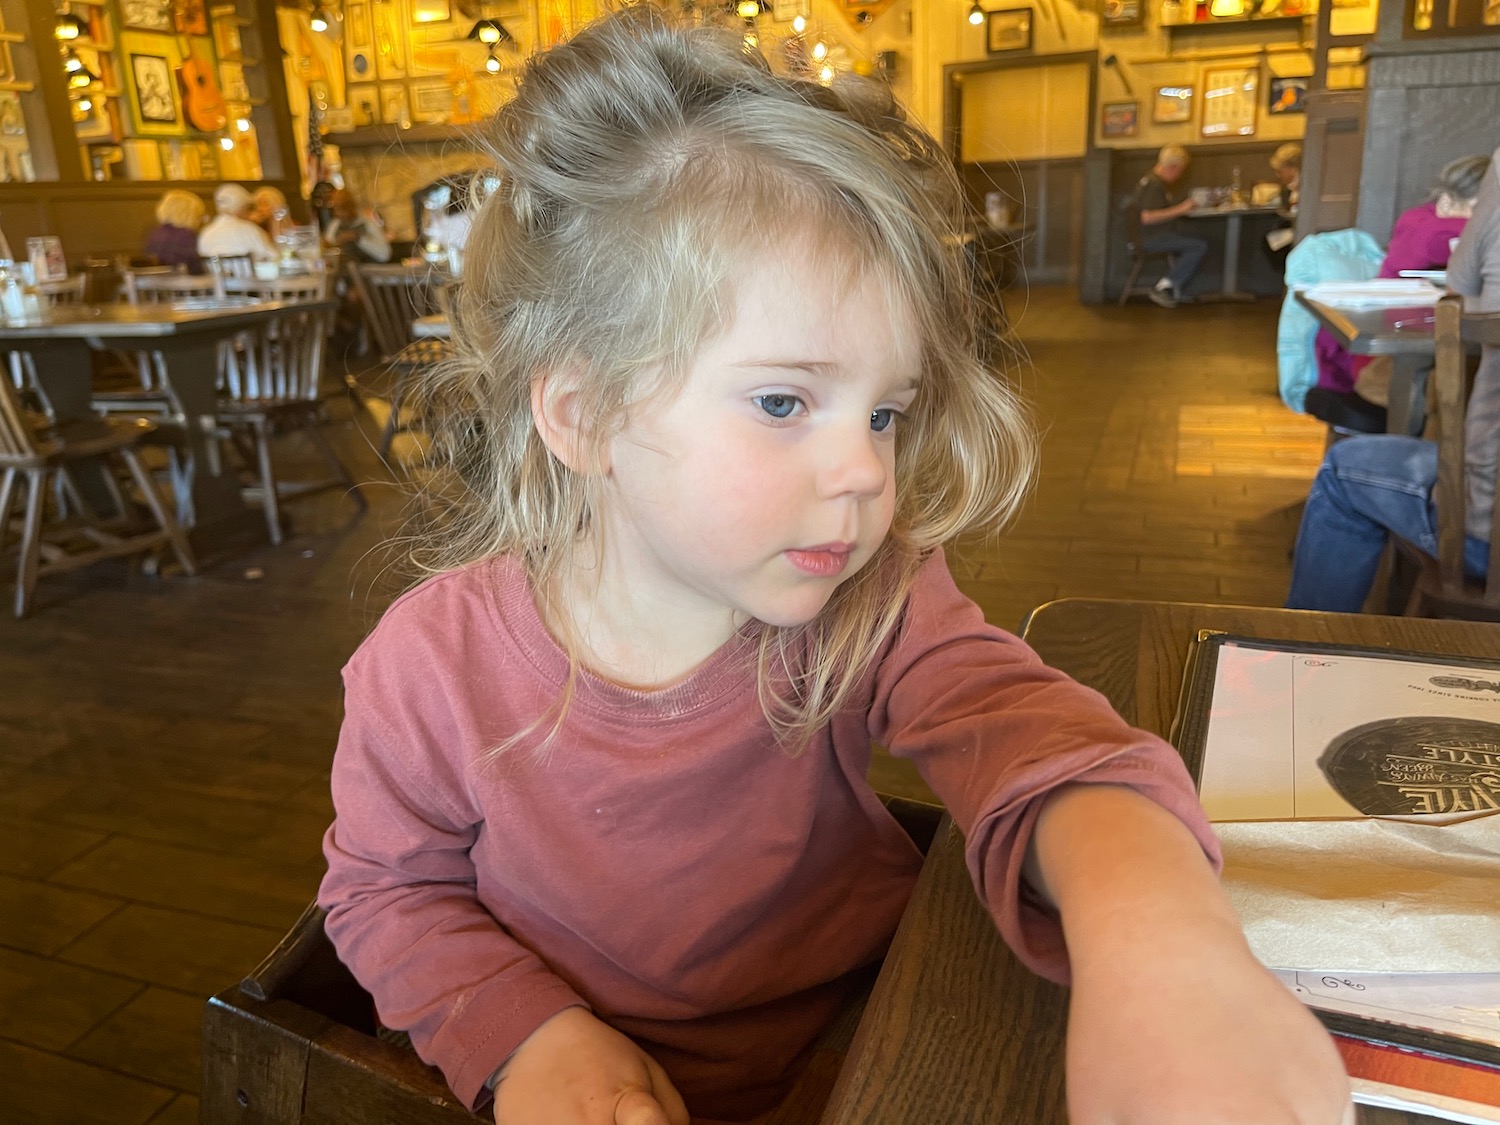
364, 101
1230, 95
1171, 105
1121, 13
1008, 30
431, 101
12, 119
358, 35
146, 15
425, 13
153, 92
1119, 119
395, 109
226, 32
1286, 95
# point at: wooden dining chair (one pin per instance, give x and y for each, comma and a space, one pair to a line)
1442, 589
297, 1041
33, 449
151, 286
230, 265
315, 286
68, 291
273, 385
1139, 256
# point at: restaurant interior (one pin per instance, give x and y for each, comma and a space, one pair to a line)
211, 457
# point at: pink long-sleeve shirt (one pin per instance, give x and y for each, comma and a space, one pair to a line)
663, 862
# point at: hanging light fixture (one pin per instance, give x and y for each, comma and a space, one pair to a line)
976, 14
319, 20
69, 27
489, 32
492, 62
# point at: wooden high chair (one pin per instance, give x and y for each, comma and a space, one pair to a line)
295, 1042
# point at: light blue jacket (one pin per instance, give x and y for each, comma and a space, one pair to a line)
1335, 255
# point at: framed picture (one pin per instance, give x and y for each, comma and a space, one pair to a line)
365, 102
12, 121
1120, 13
357, 33
146, 15
431, 101
424, 12
1172, 104
226, 33
1229, 97
1286, 95
155, 93
190, 17
1120, 119
394, 108
1007, 30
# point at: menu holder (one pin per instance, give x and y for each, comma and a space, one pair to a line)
1384, 734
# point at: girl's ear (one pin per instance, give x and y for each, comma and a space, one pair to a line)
555, 413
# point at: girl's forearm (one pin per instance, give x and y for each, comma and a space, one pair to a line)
1123, 871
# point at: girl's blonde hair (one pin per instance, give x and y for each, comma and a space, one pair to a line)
180, 208
641, 164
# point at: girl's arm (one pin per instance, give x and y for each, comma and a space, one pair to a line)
1172, 1020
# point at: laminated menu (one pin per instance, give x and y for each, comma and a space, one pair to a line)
1356, 793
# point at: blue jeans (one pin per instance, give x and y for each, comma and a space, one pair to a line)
1189, 253
1367, 488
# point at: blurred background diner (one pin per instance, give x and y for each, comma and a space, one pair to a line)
1209, 241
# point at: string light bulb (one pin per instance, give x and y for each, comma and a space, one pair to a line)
799, 24
491, 62
489, 32
81, 79
84, 105
242, 124
69, 27
825, 75
319, 20
226, 143
819, 51
72, 63
748, 9
976, 14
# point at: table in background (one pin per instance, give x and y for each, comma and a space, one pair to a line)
186, 335
957, 1029
1234, 222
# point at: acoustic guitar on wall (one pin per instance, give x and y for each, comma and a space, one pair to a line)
202, 103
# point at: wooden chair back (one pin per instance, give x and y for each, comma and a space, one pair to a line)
308, 287
394, 296
18, 443
280, 360
230, 265
163, 288
1442, 589
68, 291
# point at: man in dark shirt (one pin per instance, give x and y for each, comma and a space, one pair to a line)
1159, 208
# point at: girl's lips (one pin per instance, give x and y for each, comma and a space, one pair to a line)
824, 562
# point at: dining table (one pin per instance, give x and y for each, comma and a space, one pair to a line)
1233, 216
186, 336
956, 1029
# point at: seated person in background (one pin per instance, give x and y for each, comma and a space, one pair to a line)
1376, 485
1421, 240
1159, 208
355, 232
174, 239
268, 210
230, 232
1286, 165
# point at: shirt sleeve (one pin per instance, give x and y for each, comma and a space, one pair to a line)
993, 731
400, 896
1466, 266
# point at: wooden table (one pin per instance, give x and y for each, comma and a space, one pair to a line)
1234, 220
186, 335
1402, 334
957, 1030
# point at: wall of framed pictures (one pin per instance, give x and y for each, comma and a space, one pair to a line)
160, 90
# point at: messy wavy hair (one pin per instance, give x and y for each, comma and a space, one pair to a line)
641, 164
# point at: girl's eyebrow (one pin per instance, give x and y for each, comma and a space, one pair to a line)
824, 369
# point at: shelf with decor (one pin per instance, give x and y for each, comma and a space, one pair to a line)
1217, 24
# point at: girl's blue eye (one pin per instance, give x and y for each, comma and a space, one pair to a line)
777, 406
882, 420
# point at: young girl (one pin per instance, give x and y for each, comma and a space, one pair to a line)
604, 841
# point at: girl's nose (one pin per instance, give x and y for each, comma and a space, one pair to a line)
854, 463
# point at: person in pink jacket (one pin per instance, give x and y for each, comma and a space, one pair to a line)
604, 841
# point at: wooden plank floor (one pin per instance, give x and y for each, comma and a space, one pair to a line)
164, 744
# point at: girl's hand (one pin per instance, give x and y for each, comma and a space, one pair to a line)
1198, 1037
577, 1070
